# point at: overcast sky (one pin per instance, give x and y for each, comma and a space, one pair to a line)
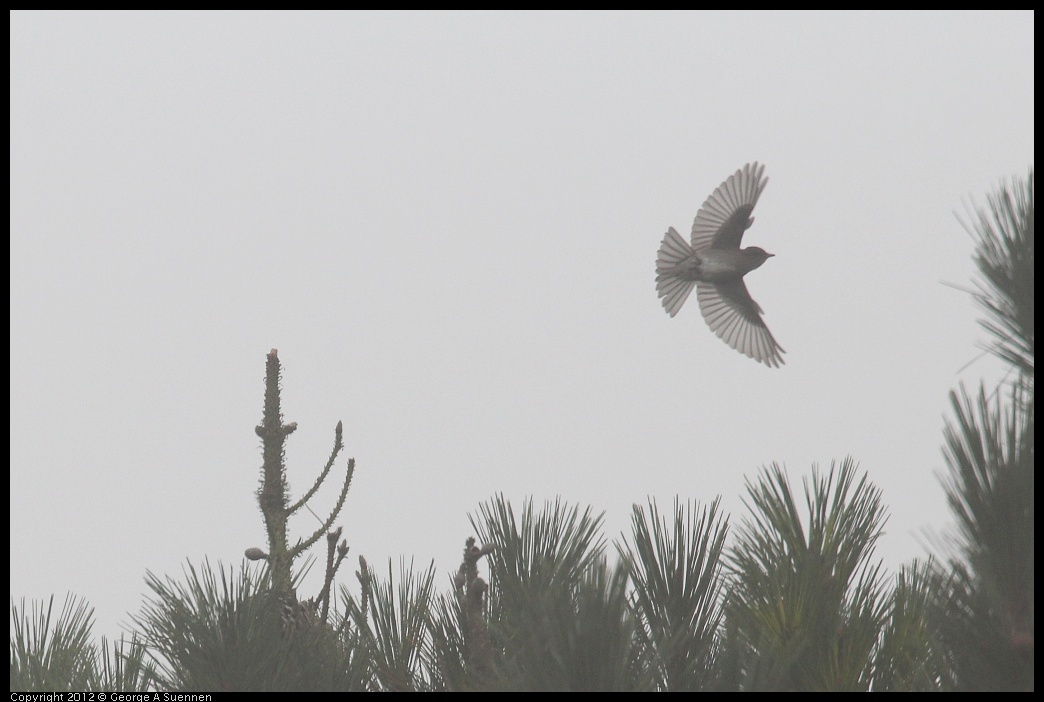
447, 224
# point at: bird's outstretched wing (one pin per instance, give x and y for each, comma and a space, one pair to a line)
733, 315
725, 215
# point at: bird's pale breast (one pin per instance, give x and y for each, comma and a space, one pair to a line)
717, 265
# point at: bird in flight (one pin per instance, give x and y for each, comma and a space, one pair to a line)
715, 265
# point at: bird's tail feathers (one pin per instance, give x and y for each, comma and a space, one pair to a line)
673, 288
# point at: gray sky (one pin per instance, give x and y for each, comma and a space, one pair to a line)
447, 224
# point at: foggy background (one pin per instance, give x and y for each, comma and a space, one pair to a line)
447, 224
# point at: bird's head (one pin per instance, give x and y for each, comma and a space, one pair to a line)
754, 256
